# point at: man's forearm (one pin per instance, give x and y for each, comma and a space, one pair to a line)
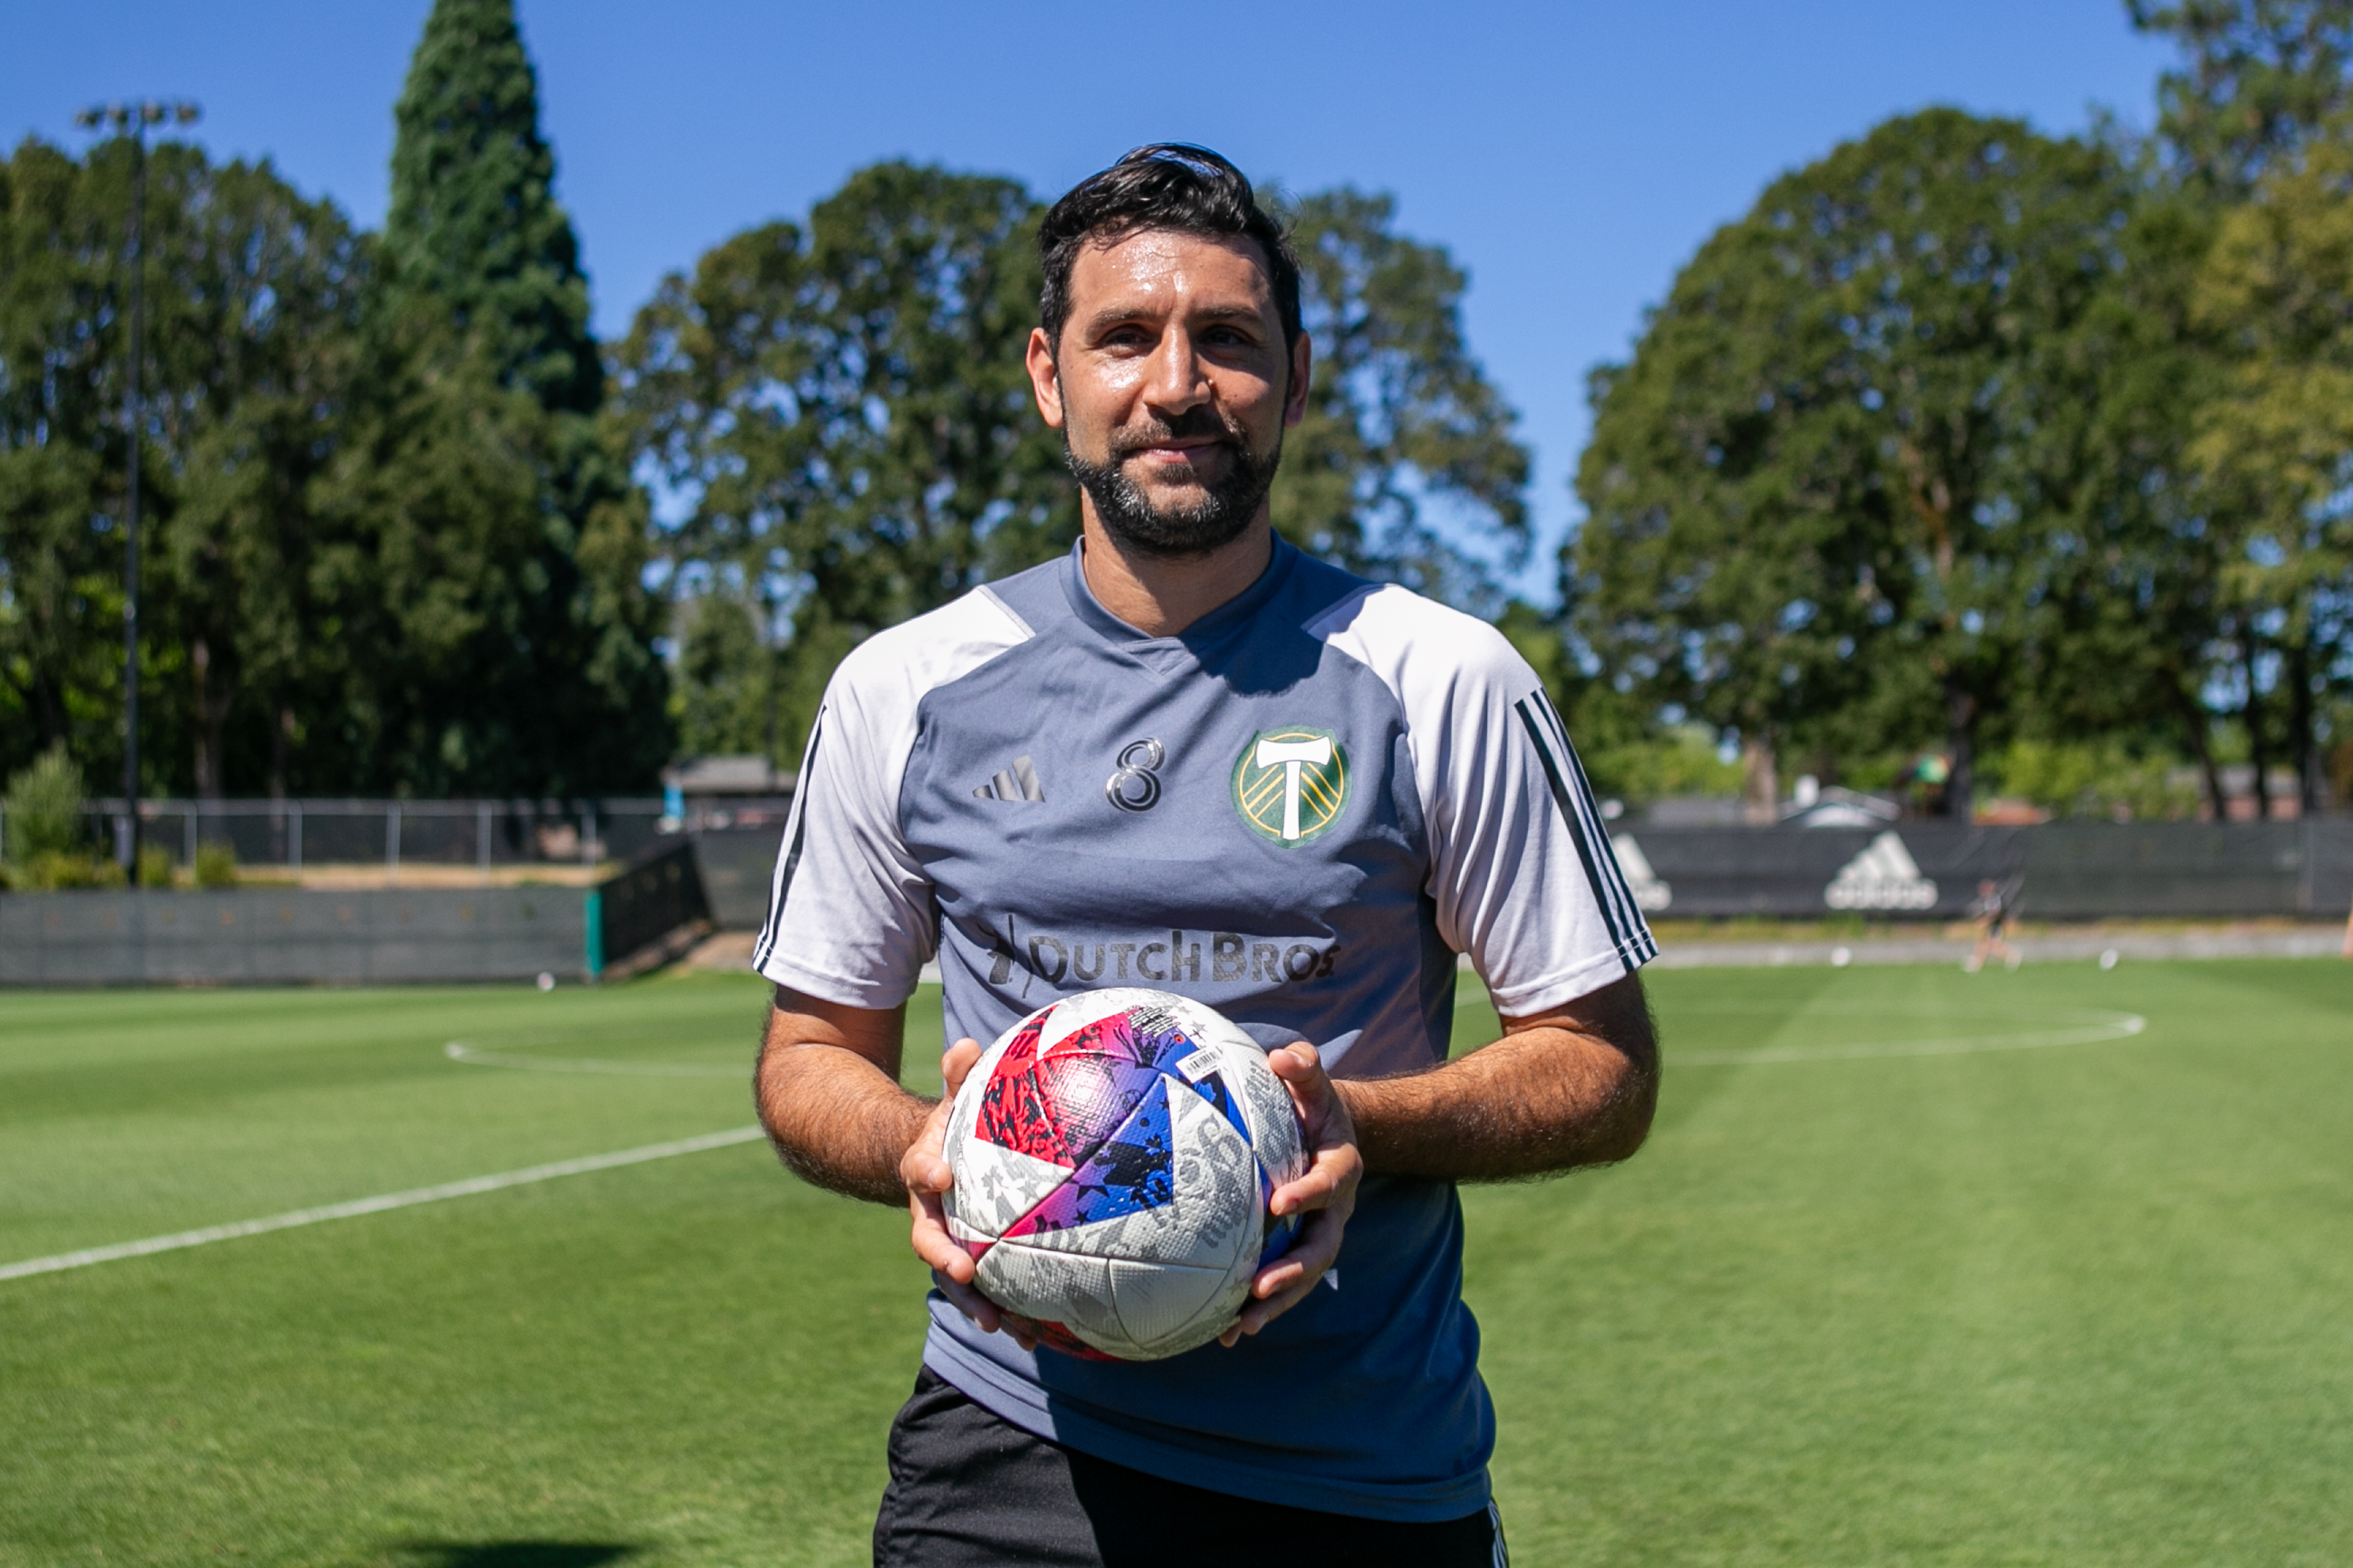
1542, 1099
837, 1119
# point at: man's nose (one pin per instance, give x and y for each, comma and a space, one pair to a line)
1178, 380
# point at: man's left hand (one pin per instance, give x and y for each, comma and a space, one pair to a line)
1326, 1194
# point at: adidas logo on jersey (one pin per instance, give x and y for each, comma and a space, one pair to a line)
1017, 783
1883, 877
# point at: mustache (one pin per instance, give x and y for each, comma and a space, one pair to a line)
1191, 425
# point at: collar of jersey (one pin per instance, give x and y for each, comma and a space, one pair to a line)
1236, 612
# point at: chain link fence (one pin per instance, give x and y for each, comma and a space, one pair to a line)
290, 835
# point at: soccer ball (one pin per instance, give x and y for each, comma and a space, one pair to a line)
1114, 1153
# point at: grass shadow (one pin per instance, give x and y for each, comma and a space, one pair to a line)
517, 1553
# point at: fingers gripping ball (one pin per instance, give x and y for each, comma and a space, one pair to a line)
1113, 1155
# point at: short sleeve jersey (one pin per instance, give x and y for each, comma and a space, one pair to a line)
1299, 812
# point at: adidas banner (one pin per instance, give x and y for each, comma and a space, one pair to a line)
1934, 870
1906, 870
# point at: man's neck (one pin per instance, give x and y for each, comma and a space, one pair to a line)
1160, 596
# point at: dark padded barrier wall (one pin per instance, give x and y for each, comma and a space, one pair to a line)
1909, 871
647, 904
1929, 870
251, 936
738, 864
2061, 870
1925, 870
2078, 870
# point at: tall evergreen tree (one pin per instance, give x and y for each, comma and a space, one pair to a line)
521, 660
474, 223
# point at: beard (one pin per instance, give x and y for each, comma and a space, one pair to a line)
1225, 510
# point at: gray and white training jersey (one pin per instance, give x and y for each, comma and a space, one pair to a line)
1298, 812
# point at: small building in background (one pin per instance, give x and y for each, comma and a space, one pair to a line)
1693, 811
1813, 804
741, 791
2284, 795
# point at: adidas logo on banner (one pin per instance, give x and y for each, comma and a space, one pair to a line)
1650, 893
1017, 783
1883, 877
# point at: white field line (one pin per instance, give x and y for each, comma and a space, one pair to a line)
2099, 1026
459, 1051
378, 1204
2107, 1026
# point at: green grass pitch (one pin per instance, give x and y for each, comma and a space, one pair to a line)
2085, 1303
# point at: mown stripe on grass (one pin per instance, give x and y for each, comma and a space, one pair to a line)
379, 1204
459, 1051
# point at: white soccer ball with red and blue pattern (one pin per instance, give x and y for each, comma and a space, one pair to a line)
1113, 1154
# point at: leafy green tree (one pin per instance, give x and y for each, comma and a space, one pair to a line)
1824, 496
252, 297
727, 672
1402, 423
60, 562
2104, 777
2247, 123
255, 325
2275, 441
2259, 76
2130, 584
844, 410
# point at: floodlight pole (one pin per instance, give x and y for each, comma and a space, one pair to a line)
132, 119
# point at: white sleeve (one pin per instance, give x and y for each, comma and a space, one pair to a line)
851, 916
1521, 867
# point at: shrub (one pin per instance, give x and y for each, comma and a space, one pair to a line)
2097, 778
215, 866
154, 866
43, 810
53, 870
1679, 760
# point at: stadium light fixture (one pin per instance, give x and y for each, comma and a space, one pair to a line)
133, 120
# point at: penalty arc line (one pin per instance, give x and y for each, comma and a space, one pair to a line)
380, 1204
459, 1051
2121, 1026
2103, 1027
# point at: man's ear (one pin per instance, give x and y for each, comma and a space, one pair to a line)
1294, 396
1045, 378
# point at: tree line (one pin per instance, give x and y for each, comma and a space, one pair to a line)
413, 529
394, 545
2024, 455
1971, 440
839, 414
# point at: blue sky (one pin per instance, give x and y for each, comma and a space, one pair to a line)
1571, 156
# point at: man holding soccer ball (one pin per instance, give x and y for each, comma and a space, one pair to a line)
1188, 756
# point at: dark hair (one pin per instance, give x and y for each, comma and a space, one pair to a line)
1168, 185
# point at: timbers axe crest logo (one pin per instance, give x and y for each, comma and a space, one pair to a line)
1289, 783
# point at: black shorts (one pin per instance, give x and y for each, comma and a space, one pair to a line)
970, 1490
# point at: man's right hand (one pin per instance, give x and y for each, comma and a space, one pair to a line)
925, 1170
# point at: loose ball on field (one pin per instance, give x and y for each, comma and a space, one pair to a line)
1113, 1155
